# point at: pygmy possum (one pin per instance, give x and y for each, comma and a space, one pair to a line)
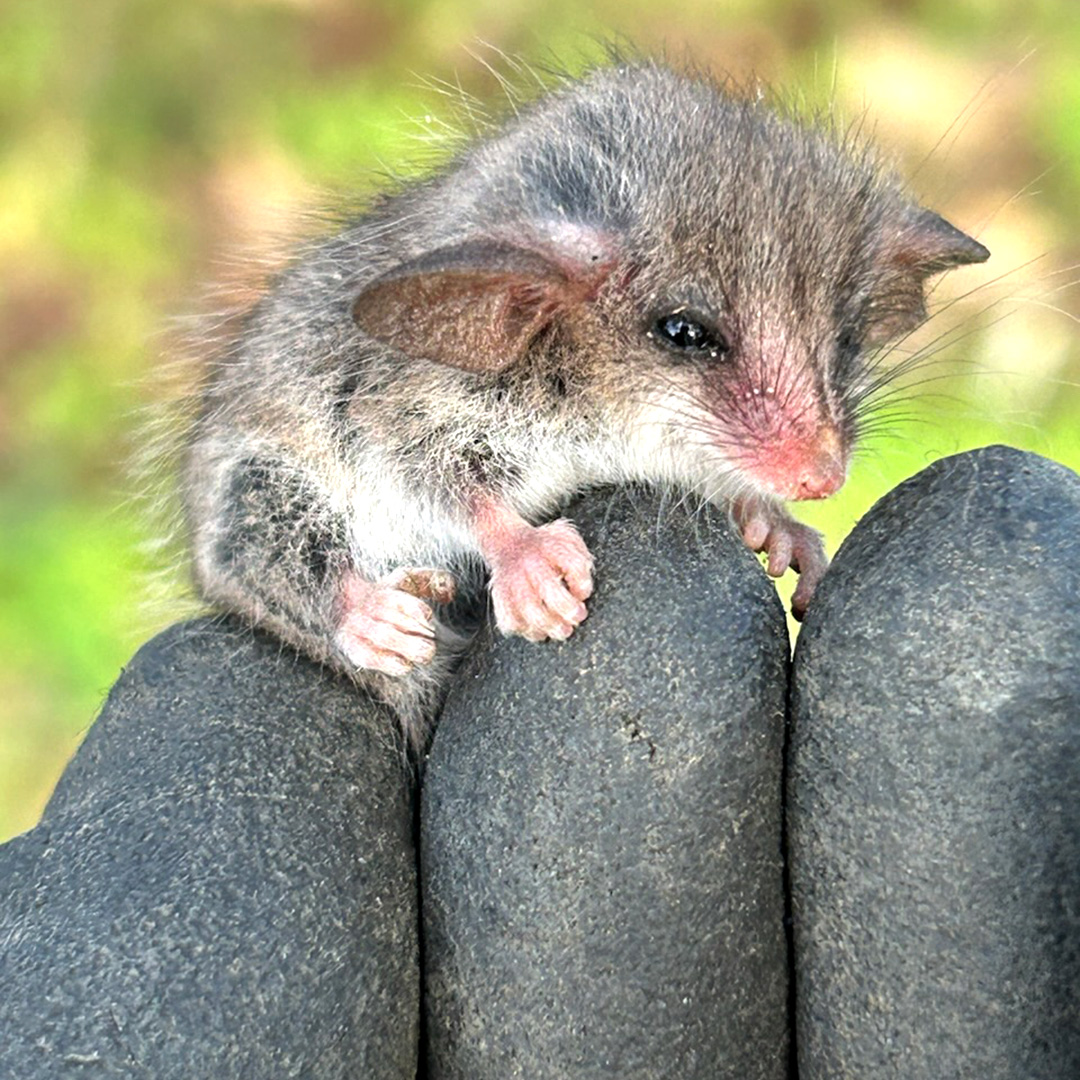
639, 277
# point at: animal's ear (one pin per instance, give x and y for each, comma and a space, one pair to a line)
478, 305
928, 244
924, 244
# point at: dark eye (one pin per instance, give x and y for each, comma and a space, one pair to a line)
689, 335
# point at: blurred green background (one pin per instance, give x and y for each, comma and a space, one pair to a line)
143, 143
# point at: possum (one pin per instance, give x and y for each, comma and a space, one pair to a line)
640, 277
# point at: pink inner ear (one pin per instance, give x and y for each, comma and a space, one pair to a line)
478, 305
475, 320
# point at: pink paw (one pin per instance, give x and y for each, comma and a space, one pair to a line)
789, 544
540, 580
386, 625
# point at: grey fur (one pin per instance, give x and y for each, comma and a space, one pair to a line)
321, 446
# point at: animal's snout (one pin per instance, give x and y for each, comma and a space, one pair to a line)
817, 486
825, 471
802, 466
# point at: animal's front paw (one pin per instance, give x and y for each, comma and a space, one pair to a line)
385, 625
540, 580
789, 544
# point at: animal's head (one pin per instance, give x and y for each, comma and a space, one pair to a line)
712, 270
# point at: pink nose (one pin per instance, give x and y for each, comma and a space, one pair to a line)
820, 483
823, 471
803, 466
